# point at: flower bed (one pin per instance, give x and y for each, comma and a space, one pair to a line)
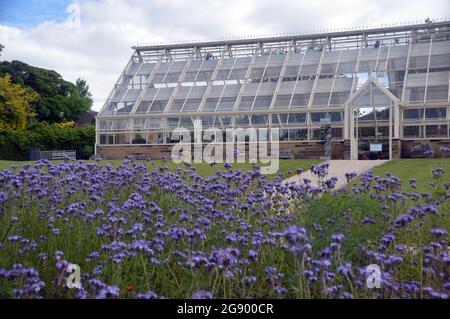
137, 232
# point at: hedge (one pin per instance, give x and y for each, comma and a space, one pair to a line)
15, 145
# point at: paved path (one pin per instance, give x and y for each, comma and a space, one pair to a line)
338, 168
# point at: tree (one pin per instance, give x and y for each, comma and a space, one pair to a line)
83, 88
15, 108
1, 48
59, 100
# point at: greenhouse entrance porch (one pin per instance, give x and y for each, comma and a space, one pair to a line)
373, 121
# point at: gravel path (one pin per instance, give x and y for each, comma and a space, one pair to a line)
338, 168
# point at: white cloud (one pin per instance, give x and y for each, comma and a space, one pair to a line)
99, 50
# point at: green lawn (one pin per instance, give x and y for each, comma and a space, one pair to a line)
415, 168
403, 168
287, 167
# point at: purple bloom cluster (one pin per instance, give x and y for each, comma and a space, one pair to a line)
143, 232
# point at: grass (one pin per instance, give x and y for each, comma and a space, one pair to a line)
287, 167
414, 168
403, 168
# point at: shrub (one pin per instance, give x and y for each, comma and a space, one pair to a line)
15, 145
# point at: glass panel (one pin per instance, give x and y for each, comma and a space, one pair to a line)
138, 138
415, 94
124, 107
259, 119
440, 60
120, 124
437, 93
122, 138
419, 62
300, 100
138, 124
226, 121
176, 106
346, 68
336, 132
143, 107
210, 104
262, 102
284, 135
106, 139
366, 114
162, 74
413, 114
382, 114
412, 131
321, 99
296, 118
153, 124
173, 122
284, 119
291, 72
339, 98
282, 101
246, 102
372, 96
241, 120
316, 134
436, 130
191, 105
275, 119
155, 138
335, 116
186, 122
298, 134
435, 113
208, 121
226, 104
366, 131
158, 106
105, 125
137, 82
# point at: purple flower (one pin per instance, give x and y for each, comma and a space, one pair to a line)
444, 149
147, 295
337, 238
295, 233
248, 280
253, 255
429, 154
108, 292
438, 232
202, 294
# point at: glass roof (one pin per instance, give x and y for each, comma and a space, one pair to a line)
278, 79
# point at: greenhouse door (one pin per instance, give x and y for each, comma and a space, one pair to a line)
373, 122
373, 136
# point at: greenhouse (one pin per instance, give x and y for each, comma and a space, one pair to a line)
382, 92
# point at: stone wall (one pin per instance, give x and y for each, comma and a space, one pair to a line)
340, 149
416, 148
396, 148
120, 152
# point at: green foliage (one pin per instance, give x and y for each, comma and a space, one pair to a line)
15, 109
15, 145
59, 100
83, 87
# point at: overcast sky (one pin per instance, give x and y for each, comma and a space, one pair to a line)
46, 33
